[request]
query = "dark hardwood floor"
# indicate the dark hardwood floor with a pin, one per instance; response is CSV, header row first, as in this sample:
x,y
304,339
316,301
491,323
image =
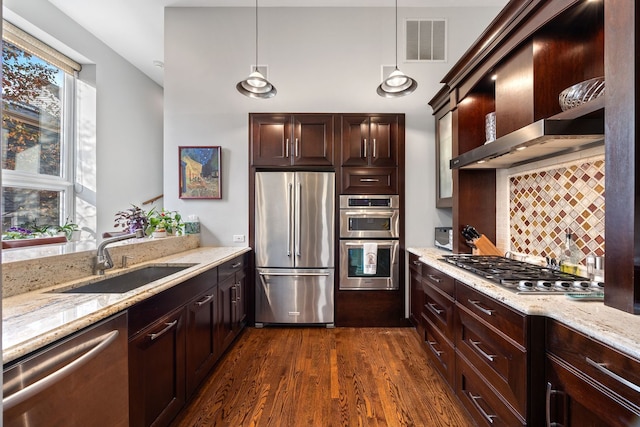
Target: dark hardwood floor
x,y
324,377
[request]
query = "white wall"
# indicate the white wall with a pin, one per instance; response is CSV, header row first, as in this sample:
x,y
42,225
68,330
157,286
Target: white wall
x,y
129,109
320,60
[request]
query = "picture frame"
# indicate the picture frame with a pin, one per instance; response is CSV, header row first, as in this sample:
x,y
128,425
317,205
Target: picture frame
x,y
199,172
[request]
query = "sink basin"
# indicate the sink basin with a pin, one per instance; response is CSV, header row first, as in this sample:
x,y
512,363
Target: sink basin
x,y
127,281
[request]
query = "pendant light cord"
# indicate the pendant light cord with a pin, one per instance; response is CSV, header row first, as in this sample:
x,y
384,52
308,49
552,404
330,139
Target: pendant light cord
x,y
396,26
256,69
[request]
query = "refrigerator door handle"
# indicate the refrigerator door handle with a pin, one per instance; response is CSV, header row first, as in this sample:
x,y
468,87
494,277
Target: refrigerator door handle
x,y
289,225
292,274
297,220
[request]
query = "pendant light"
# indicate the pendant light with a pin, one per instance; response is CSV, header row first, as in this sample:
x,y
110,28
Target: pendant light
x,y
397,84
256,85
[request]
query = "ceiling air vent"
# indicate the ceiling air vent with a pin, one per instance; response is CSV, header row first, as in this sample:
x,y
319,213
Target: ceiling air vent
x,y
426,40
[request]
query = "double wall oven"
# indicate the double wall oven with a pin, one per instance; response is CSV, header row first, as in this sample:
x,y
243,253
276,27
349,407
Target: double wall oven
x,y
369,242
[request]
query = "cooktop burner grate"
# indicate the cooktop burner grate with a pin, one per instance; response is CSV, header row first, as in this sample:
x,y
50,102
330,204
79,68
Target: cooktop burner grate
x,y
522,277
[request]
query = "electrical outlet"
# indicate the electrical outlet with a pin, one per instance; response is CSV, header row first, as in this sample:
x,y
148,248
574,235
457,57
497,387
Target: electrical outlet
x,y
238,238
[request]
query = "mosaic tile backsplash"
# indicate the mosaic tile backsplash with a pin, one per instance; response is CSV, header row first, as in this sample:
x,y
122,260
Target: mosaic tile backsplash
x,y
544,204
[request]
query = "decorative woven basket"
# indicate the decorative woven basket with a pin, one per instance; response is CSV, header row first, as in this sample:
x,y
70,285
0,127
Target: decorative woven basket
x,y
580,93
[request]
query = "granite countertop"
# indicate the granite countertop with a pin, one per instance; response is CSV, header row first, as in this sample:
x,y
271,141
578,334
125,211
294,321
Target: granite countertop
x,y
611,326
34,319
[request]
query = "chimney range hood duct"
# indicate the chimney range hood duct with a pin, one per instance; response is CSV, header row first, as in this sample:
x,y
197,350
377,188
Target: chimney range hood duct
x,y
539,140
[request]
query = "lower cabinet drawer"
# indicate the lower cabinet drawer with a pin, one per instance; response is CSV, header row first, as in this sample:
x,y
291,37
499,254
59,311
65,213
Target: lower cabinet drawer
x,y
485,406
371,180
603,365
440,351
439,309
502,362
575,400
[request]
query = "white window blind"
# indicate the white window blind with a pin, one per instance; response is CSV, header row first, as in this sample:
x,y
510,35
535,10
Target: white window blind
x,y
32,45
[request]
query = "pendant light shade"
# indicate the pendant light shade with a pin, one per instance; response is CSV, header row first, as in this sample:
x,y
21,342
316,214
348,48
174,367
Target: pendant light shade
x,y
256,85
397,84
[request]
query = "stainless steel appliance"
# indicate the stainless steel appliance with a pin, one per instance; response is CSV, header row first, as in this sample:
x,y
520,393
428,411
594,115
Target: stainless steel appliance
x,y
81,380
443,237
369,217
352,259
522,277
369,222
294,247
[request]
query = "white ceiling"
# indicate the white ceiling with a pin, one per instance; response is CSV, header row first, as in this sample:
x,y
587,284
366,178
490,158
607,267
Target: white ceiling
x,y
138,35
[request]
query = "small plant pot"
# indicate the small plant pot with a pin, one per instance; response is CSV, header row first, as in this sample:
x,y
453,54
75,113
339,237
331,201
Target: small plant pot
x,y
159,234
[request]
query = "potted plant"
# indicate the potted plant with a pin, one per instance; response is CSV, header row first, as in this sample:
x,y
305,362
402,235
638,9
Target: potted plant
x,y
132,219
164,222
68,229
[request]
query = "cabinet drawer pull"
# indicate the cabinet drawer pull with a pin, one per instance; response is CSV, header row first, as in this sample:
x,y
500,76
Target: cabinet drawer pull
x,y
237,264
602,367
369,180
434,278
164,331
237,293
486,311
476,345
551,391
297,147
435,308
432,346
474,400
206,299
416,262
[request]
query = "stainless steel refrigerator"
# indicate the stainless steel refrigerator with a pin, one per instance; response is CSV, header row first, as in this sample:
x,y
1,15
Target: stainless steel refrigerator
x,y
294,247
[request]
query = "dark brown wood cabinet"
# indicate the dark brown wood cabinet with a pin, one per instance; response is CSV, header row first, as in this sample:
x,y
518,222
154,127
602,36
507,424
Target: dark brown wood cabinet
x,y
487,352
202,346
157,371
589,383
292,139
371,148
231,293
177,336
369,140
416,299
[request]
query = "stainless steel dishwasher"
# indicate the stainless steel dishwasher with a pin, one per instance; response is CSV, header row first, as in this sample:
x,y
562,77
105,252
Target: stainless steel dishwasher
x,y
81,380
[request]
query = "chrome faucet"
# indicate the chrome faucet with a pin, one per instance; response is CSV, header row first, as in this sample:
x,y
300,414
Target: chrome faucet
x,y
103,260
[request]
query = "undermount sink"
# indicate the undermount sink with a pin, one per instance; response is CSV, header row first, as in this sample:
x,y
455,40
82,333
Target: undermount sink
x,y
127,281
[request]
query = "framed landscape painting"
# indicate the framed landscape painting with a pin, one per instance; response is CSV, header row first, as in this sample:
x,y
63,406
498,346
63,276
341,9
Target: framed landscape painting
x,y
200,172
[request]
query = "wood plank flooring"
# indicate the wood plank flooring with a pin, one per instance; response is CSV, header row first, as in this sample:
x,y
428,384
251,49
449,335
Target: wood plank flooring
x,y
324,377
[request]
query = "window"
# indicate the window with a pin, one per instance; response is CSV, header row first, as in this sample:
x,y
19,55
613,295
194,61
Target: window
x,y
38,93
426,40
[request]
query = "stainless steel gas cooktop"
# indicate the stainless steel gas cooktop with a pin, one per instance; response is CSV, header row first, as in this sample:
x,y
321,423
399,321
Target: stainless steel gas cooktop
x,y
522,277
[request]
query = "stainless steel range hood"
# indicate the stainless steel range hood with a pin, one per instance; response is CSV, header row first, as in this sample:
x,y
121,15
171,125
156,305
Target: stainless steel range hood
x,y
539,140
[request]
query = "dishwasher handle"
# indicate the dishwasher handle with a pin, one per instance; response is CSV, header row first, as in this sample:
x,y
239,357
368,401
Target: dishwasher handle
x,y
40,385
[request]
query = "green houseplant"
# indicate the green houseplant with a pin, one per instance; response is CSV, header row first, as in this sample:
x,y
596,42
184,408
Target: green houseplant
x,y
164,220
68,228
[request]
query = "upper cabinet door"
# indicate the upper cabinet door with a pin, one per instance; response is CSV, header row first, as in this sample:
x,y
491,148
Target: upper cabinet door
x,y
286,140
270,139
313,140
355,138
383,144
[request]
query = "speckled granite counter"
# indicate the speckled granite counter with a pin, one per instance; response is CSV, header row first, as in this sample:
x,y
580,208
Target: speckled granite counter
x,y
616,328
37,318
